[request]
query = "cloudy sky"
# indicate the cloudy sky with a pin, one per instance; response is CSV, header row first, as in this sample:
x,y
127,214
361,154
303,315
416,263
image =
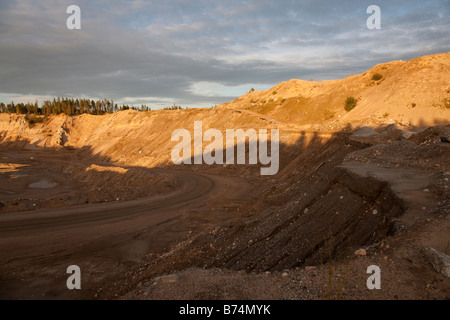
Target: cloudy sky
x,y
202,53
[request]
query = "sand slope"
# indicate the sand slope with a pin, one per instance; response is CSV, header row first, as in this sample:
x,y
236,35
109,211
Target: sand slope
x,y
415,91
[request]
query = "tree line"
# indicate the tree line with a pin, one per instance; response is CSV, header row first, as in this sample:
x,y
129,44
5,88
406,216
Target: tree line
x,y
72,106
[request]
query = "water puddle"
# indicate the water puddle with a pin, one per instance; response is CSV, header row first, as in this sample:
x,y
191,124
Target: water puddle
x,y
43,184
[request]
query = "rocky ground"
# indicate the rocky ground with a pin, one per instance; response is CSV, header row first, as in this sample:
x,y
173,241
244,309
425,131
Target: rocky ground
x,y
341,203
400,252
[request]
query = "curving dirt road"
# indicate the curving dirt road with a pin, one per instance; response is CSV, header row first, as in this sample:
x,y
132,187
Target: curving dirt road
x,y
19,224
104,239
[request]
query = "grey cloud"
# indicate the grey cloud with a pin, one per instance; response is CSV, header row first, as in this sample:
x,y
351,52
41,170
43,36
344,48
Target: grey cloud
x,y
161,48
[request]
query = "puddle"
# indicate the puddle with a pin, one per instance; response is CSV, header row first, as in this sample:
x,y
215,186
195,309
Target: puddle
x,y
43,184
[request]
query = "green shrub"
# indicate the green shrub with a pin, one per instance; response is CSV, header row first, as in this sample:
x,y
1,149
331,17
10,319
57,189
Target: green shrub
x,y
350,104
33,119
174,107
377,77
327,114
447,103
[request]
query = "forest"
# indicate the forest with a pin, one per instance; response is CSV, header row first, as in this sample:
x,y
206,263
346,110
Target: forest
x,y
72,106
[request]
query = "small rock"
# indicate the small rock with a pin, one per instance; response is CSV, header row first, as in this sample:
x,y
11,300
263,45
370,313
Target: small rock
x,y
439,260
285,275
375,211
426,190
361,252
306,210
407,134
342,197
405,123
308,268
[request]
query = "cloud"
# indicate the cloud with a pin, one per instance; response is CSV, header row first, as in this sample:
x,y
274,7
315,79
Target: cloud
x,y
215,89
201,53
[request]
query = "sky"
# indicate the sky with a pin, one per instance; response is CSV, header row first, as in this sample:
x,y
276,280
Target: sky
x,y
202,53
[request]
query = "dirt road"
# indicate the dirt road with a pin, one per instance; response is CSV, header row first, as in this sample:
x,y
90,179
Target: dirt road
x,y
104,239
21,224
